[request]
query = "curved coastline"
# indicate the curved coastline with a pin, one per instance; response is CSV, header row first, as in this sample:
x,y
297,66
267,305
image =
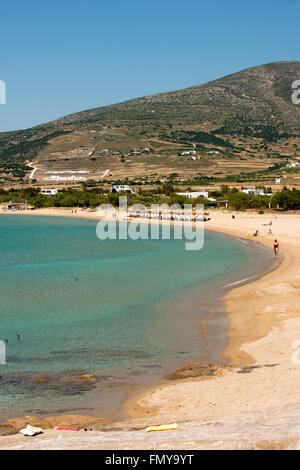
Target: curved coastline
x,y
264,321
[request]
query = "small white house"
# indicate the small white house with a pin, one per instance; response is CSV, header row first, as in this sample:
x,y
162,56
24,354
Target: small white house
x,y
292,165
49,192
188,152
253,191
278,181
194,194
122,188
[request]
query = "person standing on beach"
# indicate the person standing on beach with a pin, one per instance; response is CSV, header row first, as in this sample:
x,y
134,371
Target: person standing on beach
x,y
276,247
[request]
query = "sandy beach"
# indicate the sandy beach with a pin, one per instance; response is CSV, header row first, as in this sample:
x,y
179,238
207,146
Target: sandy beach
x,y
252,404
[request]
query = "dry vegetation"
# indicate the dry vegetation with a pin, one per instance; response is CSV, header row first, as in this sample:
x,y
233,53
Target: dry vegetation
x,y
247,118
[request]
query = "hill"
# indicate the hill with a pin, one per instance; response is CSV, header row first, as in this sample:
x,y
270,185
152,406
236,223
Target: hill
x,y
245,122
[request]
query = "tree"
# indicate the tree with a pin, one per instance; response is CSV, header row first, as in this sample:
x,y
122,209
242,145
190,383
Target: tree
x,y
168,189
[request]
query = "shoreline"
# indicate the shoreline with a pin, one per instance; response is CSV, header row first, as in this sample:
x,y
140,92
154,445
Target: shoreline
x,y
264,322
267,376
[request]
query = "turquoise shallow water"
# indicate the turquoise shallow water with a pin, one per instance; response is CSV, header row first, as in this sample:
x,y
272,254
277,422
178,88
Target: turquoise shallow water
x,y
122,310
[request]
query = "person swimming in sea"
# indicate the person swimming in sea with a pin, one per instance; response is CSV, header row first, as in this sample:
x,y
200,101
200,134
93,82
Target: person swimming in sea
x,y
276,247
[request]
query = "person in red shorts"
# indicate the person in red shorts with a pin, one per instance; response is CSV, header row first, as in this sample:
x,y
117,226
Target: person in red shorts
x,y
276,247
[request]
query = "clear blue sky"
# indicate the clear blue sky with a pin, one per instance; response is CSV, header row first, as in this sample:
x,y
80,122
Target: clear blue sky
x,y
64,56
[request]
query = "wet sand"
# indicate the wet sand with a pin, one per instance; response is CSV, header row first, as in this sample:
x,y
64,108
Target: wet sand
x,y
252,404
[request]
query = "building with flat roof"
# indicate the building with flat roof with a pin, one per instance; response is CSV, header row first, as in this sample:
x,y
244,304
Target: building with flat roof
x,y
17,206
122,188
194,194
49,192
254,192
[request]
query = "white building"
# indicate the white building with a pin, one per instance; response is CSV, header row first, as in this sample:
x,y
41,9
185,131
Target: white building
x,y
292,165
49,192
188,152
122,188
194,194
253,191
65,178
71,172
278,181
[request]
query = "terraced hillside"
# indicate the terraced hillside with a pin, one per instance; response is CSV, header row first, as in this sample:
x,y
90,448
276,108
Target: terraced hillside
x,y
242,123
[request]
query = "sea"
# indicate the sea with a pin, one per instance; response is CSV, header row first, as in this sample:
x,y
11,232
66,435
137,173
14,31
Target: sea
x,y
86,322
